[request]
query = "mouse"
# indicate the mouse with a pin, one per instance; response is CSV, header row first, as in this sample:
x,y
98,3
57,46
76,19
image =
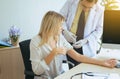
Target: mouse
x,y
118,64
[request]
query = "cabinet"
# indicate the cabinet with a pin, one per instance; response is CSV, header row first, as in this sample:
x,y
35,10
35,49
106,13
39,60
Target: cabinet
x,y
11,63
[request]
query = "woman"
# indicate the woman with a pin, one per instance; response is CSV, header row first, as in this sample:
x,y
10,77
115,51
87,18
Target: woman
x,y
47,48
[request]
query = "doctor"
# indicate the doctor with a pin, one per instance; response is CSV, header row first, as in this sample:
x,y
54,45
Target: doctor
x,y
87,40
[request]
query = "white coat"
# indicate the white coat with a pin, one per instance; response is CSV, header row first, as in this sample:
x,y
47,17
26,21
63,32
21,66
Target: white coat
x,y
93,28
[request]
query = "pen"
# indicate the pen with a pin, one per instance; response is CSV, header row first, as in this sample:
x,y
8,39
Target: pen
x,y
96,74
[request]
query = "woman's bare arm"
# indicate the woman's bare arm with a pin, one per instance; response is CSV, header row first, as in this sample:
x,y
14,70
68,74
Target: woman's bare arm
x,y
84,59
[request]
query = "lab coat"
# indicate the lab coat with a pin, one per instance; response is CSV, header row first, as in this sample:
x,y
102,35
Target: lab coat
x,y
93,28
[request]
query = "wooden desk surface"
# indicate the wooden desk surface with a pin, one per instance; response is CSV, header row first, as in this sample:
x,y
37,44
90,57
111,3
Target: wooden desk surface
x,y
94,68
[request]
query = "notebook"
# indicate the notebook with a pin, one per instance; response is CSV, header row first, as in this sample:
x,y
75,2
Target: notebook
x,y
4,44
94,75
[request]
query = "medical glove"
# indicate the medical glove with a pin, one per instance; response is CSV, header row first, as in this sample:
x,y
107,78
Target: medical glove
x,y
80,43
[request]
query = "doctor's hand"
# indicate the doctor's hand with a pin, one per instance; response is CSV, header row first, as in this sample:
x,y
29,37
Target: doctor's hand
x,y
80,43
70,37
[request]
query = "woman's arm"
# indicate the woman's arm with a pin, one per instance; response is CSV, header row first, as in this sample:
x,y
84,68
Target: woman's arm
x,y
53,53
81,58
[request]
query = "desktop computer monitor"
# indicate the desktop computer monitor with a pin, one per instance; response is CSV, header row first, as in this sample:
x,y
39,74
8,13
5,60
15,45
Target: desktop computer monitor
x,y
111,30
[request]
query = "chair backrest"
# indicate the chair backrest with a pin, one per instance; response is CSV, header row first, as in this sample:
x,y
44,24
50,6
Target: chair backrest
x,y
25,51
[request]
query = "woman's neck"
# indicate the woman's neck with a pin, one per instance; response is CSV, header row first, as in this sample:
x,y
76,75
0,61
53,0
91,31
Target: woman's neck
x,y
52,42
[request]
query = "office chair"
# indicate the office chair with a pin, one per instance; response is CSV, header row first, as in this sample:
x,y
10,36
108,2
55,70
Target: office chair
x,y
25,51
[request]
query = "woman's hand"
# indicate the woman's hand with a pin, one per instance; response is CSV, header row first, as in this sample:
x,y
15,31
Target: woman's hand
x,y
59,50
109,63
54,52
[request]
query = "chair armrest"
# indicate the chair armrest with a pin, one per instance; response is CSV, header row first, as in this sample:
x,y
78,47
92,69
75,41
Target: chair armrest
x,y
30,73
65,61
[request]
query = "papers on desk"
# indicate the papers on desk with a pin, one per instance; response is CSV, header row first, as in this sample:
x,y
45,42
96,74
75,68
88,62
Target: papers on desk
x,y
109,53
4,44
93,75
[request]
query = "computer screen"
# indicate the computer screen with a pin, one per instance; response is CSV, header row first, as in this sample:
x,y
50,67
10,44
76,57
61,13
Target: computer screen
x,y
111,30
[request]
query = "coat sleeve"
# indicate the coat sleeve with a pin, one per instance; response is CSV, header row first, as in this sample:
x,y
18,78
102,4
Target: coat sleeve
x,y
65,43
65,11
39,66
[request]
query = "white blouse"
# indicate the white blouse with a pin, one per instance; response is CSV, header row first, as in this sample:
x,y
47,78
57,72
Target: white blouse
x,y
38,53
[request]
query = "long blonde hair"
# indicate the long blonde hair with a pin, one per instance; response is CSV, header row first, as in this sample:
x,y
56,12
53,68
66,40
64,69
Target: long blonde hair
x,y
49,25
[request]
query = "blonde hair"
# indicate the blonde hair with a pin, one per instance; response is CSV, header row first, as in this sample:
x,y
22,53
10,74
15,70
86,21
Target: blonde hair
x,y
49,25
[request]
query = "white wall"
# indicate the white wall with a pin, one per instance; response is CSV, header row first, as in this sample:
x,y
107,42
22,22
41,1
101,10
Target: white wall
x,y
25,14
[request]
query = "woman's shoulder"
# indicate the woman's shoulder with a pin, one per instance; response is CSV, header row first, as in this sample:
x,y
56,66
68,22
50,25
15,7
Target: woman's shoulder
x,y
36,37
36,40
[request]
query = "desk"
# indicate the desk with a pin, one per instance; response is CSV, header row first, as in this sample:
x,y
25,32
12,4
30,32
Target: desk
x,y
104,54
11,63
